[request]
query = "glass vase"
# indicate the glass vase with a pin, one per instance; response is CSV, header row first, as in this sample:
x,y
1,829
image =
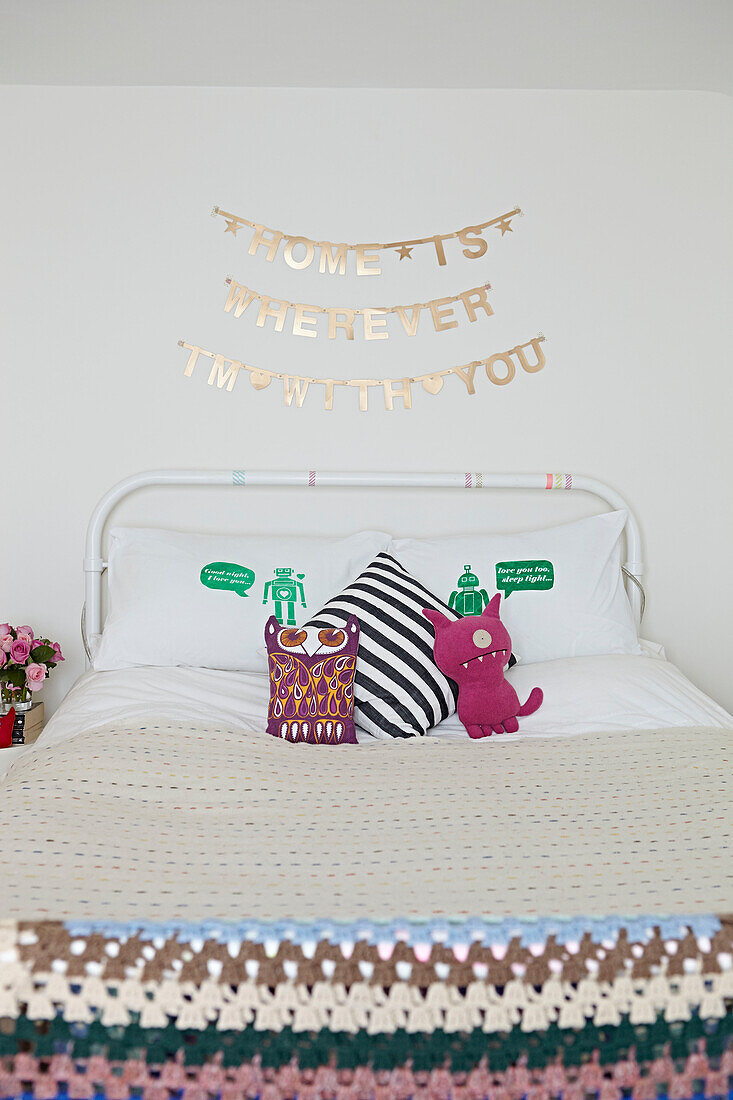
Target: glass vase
x,y
10,696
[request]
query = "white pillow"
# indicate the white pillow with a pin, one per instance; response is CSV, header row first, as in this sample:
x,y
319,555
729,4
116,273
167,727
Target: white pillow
x,y
203,600
604,695
571,601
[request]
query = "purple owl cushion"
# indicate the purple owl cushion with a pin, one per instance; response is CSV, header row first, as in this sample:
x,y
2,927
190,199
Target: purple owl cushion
x,y
312,682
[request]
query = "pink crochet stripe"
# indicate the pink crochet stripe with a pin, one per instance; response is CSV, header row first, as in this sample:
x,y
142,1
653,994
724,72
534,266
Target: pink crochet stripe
x,y
122,1079
311,478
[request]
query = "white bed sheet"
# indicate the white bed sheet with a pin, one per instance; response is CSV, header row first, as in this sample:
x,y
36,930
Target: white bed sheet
x,y
582,695
606,695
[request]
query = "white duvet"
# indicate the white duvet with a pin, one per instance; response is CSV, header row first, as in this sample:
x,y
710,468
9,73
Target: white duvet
x,y
581,695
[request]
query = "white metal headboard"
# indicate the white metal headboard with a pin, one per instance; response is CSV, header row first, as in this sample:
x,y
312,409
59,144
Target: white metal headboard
x,y
94,565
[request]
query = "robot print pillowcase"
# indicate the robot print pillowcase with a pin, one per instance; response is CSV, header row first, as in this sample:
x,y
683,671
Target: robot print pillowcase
x,y
203,600
562,589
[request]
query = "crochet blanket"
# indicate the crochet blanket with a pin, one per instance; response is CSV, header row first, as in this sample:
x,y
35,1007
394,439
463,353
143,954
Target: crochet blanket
x,y
636,1010
403,920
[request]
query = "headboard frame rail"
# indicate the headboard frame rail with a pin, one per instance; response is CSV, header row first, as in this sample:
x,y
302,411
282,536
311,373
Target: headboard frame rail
x,y
94,564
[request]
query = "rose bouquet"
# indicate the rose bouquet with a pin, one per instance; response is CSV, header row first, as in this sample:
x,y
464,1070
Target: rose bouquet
x,y
25,662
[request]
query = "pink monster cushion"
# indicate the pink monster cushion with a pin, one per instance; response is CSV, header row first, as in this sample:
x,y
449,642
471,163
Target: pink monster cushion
x,y
474,652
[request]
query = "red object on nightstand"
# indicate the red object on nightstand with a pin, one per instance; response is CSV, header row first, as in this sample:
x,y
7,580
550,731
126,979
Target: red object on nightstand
x,y
6,729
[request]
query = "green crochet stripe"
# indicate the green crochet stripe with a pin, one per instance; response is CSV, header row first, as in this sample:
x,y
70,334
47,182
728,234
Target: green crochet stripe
x,y
381,1051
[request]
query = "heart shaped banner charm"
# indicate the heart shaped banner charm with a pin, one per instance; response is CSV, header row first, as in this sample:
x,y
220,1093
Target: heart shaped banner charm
x,y
433,383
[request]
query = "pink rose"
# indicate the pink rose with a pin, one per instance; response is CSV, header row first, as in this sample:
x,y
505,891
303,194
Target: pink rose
x,y
23,636
5,628
34,676
6,640
25,631
57,654
3,658
20,650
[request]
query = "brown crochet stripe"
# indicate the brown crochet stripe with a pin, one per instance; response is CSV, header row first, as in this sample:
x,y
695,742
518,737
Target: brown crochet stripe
x,y
41,943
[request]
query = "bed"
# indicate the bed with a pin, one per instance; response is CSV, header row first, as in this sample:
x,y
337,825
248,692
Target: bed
x,y
541,914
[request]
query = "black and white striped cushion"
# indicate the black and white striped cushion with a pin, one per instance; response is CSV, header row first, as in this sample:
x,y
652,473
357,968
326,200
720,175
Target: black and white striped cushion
x,y
399,691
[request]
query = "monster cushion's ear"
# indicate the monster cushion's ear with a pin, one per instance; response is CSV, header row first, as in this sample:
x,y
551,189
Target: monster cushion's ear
x,y
492,607
437,618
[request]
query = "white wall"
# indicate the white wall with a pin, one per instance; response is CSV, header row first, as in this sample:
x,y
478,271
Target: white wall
x,y
637,44
622,260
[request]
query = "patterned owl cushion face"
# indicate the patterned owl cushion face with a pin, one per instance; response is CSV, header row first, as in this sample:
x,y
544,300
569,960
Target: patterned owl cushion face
x,y
312,682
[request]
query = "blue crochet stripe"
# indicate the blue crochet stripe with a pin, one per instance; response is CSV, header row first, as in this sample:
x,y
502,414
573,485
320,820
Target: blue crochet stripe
x,y
449,932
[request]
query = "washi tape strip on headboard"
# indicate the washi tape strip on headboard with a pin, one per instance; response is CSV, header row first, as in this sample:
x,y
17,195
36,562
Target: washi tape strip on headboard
x,y
559,481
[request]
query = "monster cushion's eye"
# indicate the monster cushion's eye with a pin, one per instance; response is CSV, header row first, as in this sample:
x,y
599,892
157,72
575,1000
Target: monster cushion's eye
x,y
482,639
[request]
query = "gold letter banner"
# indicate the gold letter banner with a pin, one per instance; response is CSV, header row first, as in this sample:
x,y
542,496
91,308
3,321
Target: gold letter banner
x,y
304,319
500,369
300,252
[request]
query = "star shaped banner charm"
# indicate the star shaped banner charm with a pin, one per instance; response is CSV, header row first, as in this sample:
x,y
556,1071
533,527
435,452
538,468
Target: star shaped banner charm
x,y
505,226
232,226
404,252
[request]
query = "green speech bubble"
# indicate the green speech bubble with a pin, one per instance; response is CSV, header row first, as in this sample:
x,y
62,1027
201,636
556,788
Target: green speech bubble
x,y
524,576
227,575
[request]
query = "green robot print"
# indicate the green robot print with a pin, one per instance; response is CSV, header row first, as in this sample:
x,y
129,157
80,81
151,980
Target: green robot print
x,y
469,599
286,592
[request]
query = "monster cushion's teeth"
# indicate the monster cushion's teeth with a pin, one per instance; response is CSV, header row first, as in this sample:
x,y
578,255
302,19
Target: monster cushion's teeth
x,y
480,660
